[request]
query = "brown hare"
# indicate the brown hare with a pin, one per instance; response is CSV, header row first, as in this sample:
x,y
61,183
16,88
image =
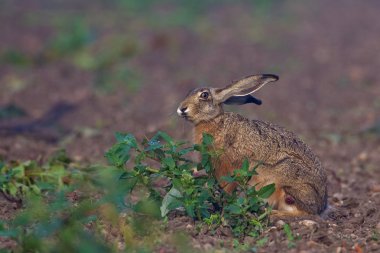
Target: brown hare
x,y
298,175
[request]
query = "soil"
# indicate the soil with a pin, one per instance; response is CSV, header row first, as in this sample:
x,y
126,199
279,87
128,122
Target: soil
x,y
327,55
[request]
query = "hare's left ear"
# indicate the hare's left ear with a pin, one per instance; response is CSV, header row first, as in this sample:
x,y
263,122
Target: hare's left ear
x,y
243,87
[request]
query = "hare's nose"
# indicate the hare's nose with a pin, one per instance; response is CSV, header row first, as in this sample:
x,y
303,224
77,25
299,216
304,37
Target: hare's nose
x,y
182,111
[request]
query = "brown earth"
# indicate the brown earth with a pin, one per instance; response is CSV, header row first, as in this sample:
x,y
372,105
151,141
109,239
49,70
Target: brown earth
x,y
327,55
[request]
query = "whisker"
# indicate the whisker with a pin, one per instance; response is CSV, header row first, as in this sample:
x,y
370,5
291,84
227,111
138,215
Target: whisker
x,y
183,128
172,113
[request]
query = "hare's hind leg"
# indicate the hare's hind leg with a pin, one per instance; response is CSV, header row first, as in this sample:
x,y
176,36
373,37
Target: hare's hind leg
x,y
292,196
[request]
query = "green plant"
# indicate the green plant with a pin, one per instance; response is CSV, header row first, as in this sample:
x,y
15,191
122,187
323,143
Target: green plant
x,y
244,211
289,235
18,179
71,208
71,37
11,111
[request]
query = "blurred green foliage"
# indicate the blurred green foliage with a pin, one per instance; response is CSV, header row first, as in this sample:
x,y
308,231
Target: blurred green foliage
x,y
72,36
105,44
15,57
11,111
68,208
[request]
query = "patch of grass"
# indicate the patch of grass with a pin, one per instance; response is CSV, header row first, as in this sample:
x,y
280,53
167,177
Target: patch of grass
x,y
116,208
375,236
15,57
108,60
71,37
289,236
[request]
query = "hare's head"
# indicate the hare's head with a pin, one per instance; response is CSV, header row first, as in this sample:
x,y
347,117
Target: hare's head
x,y
204,104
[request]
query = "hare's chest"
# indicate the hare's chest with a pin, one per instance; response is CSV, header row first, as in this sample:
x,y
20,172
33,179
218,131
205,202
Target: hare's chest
x,y
205,129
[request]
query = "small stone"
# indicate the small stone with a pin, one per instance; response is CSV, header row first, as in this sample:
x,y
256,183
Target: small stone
x,y
375,188
363,156
338,196
312,244
189,226
197,246
121,246
280,223
207,247
309,223
353,236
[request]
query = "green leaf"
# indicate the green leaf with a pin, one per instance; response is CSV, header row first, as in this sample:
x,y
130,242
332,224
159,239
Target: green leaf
x,y
169,162
289,235
118,155
245,165
18,172
165,137
234,209
261,242
148,207
185,151
240,201
177,183
228,179
205,160
9,233
207,139
153,145
170,201
12,189
128,139
35,189
190,210
266,191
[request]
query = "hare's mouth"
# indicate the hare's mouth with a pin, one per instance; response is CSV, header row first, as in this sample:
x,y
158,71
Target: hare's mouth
x,y
185,116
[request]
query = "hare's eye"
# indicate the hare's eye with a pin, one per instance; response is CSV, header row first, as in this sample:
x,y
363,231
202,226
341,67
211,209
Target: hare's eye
x,y
204,95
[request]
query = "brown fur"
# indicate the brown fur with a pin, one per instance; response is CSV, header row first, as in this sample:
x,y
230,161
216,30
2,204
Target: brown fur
x,y
286,160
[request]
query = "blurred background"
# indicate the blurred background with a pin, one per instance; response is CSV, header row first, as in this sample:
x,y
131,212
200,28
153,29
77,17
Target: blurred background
x,y
74,72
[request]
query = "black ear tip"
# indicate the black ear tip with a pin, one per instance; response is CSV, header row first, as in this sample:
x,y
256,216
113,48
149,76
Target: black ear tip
x,y
270,76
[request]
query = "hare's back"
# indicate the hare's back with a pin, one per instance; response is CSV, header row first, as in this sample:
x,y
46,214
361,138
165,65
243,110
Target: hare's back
x,y
268,140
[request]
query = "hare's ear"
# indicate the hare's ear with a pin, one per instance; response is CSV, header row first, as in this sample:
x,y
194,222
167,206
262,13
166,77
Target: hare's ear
x,y
243,87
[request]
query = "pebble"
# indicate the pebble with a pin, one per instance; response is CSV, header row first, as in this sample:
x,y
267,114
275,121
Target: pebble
x,y
280,223
189,226
121,246
208,247
363,156
375,188
309,223
313,244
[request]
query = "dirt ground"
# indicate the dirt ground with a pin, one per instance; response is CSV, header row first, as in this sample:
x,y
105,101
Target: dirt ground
x,y
327,54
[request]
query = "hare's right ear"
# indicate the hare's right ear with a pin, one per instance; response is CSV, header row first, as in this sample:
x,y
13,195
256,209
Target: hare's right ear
x,y
243,87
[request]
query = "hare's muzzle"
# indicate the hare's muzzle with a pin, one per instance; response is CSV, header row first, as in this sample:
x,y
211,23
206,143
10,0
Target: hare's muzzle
x,y
182,111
